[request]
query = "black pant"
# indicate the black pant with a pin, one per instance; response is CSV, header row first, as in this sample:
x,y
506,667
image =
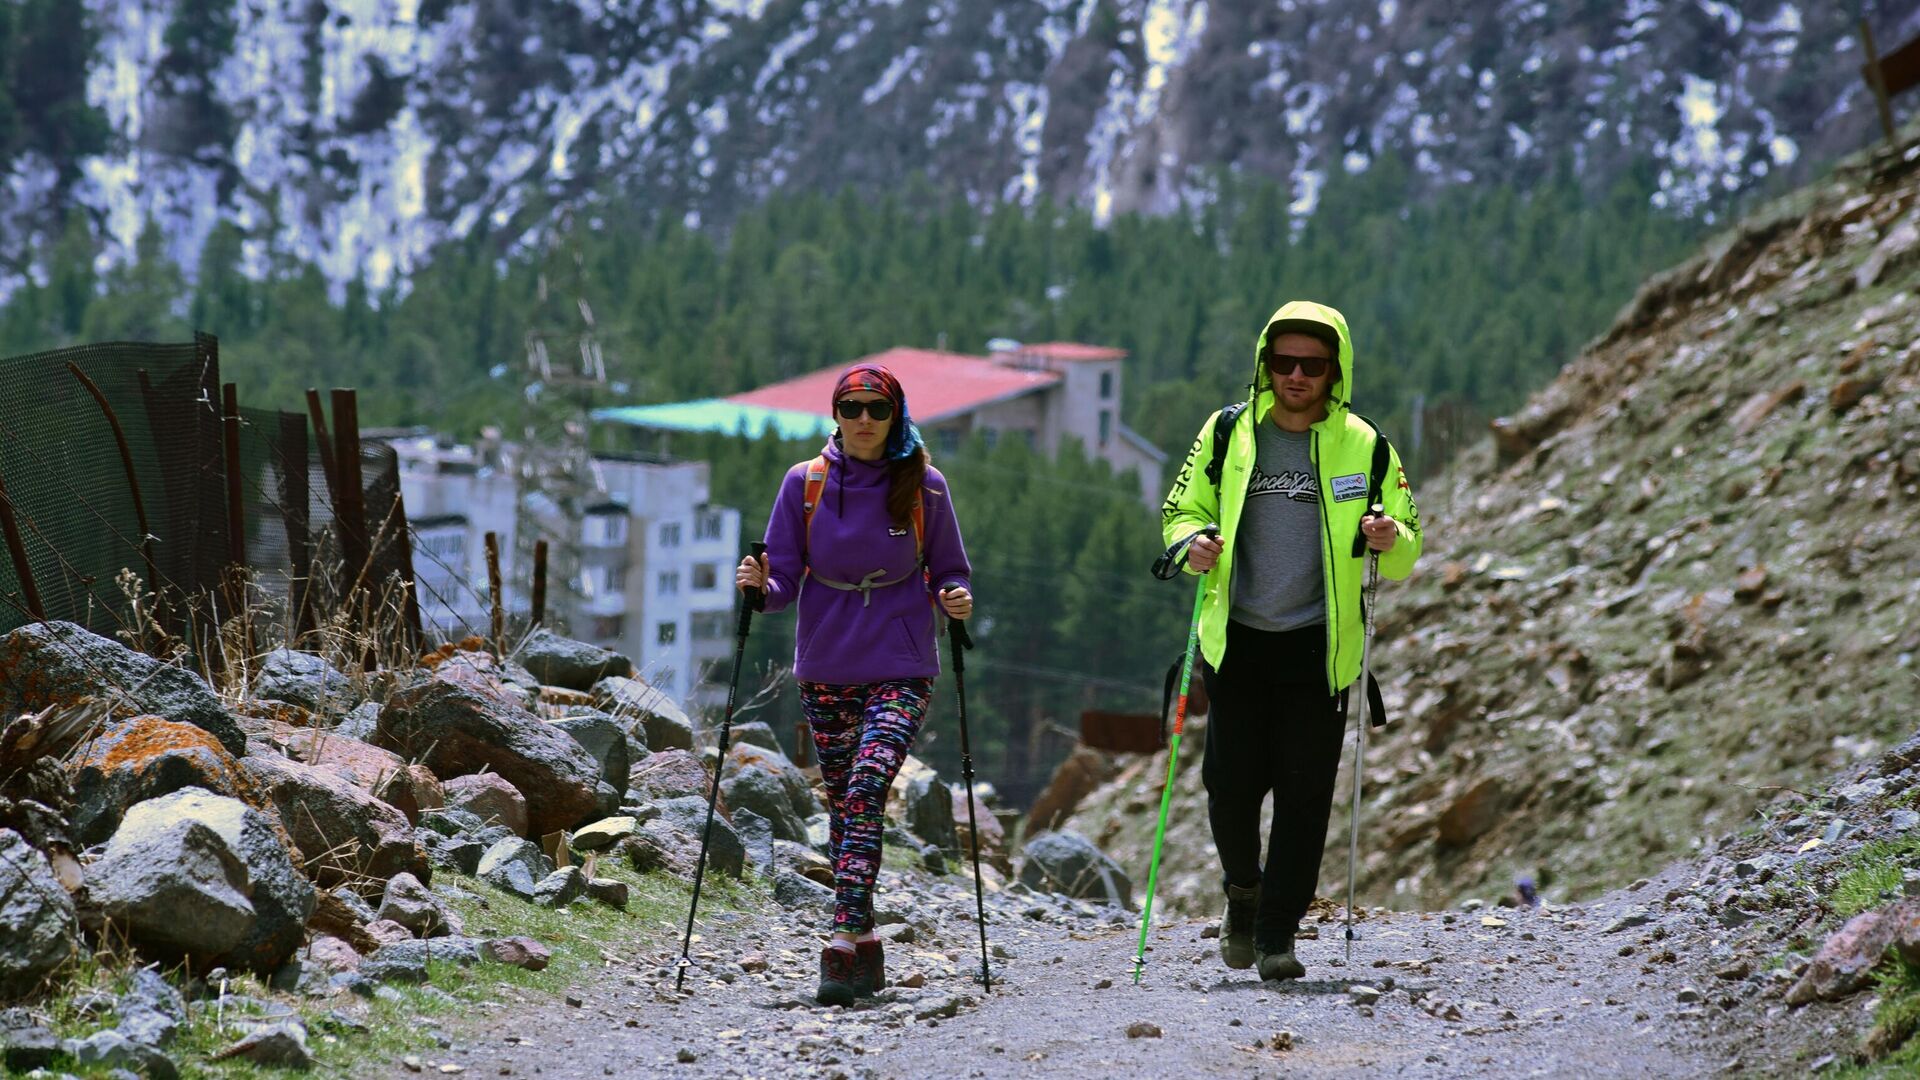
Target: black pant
x,y
1272,727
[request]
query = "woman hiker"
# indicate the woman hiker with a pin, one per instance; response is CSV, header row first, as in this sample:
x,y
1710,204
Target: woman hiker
x,y
864,540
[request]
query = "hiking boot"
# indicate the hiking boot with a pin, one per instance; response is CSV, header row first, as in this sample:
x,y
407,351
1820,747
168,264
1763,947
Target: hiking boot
x,y
874,969
842,972
1279,964
1236,927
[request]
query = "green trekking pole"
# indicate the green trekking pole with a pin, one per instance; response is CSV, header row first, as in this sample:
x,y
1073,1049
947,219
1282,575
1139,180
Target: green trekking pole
x,y
1164,568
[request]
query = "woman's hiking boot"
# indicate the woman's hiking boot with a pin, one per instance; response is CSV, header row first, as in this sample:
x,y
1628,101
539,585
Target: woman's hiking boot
x,y
1236,927
843,972
1279,963
874,971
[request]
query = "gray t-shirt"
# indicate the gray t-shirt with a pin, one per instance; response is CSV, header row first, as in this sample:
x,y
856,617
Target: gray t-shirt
x,y
1277,583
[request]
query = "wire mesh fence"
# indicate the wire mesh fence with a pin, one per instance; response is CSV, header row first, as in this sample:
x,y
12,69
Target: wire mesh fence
x,y
140,500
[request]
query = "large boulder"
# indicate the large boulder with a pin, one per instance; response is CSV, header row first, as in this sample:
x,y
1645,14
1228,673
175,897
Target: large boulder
x,y
173,887
143,758
37,931
671,840
670,774
410,789
1084,770
413,906
305,680
281,895
755,789
993,835
575,665
1066,862
151,1011
639,706
60,663
490,798
929,806
516,865
457,729
343,833
799,791
1844,965
602,736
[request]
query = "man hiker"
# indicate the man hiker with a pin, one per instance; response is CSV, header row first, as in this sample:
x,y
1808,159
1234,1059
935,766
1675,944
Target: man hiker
x,y
1281,624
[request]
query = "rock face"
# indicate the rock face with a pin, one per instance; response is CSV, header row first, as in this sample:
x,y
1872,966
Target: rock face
x,y
37,931
601,736
575,665
458,729
175,888
305,680
755,789
143,758
929,806
1075,779
490,798
60,663
1844,965
282,898
635,704
670,774
1067,862
993,835
1471,814
671,842
339,829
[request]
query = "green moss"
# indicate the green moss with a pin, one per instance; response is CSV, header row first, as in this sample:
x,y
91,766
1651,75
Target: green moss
x,y
1874,872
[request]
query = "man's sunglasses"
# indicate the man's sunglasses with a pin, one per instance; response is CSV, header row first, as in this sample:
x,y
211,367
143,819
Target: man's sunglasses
x,y
850,409
1311,366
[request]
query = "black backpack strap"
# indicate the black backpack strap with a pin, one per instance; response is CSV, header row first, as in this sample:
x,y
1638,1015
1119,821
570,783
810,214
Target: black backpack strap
x,y
1222,431
1376,479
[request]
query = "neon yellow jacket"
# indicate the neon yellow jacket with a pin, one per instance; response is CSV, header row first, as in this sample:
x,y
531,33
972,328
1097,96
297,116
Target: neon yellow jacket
x,y
1342,448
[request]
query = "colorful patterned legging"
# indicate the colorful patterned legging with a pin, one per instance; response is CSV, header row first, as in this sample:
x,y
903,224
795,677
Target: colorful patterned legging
x,y
862,735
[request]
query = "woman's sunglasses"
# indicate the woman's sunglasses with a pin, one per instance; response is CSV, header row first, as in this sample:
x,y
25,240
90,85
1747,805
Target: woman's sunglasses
x,y
850,409
1311,366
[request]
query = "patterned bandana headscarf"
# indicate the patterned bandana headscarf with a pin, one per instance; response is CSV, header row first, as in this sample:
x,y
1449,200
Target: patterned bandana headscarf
x,y
904,437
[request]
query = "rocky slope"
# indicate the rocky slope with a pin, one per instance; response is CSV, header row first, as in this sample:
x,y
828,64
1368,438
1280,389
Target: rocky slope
x,y
357,135
1674,587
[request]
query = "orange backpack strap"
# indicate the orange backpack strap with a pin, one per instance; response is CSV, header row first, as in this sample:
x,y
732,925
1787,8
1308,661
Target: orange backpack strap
x,y
810,495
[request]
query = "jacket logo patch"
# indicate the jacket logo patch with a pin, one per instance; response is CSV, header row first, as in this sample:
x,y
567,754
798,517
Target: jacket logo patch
x,y
891,531
1349,487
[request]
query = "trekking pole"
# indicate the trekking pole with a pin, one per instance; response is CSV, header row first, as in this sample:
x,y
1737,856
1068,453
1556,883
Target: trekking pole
x,y
1360,742
751,600
958,641
1164,568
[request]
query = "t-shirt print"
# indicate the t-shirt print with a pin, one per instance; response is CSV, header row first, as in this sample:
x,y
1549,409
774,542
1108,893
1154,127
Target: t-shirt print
x,y
1295,484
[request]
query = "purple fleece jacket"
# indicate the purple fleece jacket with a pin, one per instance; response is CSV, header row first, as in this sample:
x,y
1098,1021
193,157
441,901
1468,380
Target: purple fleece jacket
x,y
844,639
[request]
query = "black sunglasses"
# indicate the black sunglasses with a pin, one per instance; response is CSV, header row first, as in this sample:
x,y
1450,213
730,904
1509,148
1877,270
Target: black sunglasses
x,y
1311,366
850,409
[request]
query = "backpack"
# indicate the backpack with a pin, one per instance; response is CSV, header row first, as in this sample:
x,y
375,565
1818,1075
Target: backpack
x,y
1376,480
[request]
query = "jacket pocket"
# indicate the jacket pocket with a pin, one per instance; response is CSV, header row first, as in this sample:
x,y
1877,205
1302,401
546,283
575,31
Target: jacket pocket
x,y
903,639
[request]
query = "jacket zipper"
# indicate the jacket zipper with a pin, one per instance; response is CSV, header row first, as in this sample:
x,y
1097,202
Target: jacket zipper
x,y
1326,574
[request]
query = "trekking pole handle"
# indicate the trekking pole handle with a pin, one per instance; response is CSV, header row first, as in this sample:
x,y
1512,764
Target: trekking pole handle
x,y
752,598
1175,557
1360,532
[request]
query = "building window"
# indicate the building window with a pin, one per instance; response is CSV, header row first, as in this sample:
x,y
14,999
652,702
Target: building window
x,y
667,632
1106,386
605,530
663,680
670,534
708,625
949,440
706,526
1030,437
705,576
616,579
1106,426
668,583
609,627
992,436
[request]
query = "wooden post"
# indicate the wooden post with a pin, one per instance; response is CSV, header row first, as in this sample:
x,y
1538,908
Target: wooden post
x,y
1876,79
318,415
295,496
539,582
236,579
493,589
18,550
349,491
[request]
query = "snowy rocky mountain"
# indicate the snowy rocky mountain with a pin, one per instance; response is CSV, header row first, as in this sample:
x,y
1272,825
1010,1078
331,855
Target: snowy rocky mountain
x,y
358,134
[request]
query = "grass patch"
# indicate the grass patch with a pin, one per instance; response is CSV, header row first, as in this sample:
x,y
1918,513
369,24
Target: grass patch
x,y
1873,872
399,1023
1890,1048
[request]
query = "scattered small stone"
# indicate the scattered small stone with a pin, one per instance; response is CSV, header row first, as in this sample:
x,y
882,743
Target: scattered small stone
x,y
1363,994
1282,1040
573,1001
1688,996
1103,984
1140,1029
685,1056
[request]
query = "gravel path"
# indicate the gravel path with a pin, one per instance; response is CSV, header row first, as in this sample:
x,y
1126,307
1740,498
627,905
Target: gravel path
x,y
1538,994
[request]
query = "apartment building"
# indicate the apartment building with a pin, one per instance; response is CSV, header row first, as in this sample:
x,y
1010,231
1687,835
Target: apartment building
x,y
655,559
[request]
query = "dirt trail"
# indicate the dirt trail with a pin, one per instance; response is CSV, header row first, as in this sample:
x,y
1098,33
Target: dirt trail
x,y
1543,993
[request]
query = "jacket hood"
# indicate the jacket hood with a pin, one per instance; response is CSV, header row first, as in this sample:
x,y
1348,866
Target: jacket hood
x,y
1302,316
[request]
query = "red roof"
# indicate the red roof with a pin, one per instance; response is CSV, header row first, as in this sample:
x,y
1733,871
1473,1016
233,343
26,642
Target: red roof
x,y
1071,351
938,384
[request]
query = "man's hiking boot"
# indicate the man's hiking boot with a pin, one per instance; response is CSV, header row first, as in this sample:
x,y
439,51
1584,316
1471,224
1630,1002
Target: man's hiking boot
x,y
1280,964
842,974
874,970
1236,927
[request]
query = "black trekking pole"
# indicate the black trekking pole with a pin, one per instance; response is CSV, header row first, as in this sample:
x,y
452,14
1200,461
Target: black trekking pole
x,y
959,641
1360,739
751,600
